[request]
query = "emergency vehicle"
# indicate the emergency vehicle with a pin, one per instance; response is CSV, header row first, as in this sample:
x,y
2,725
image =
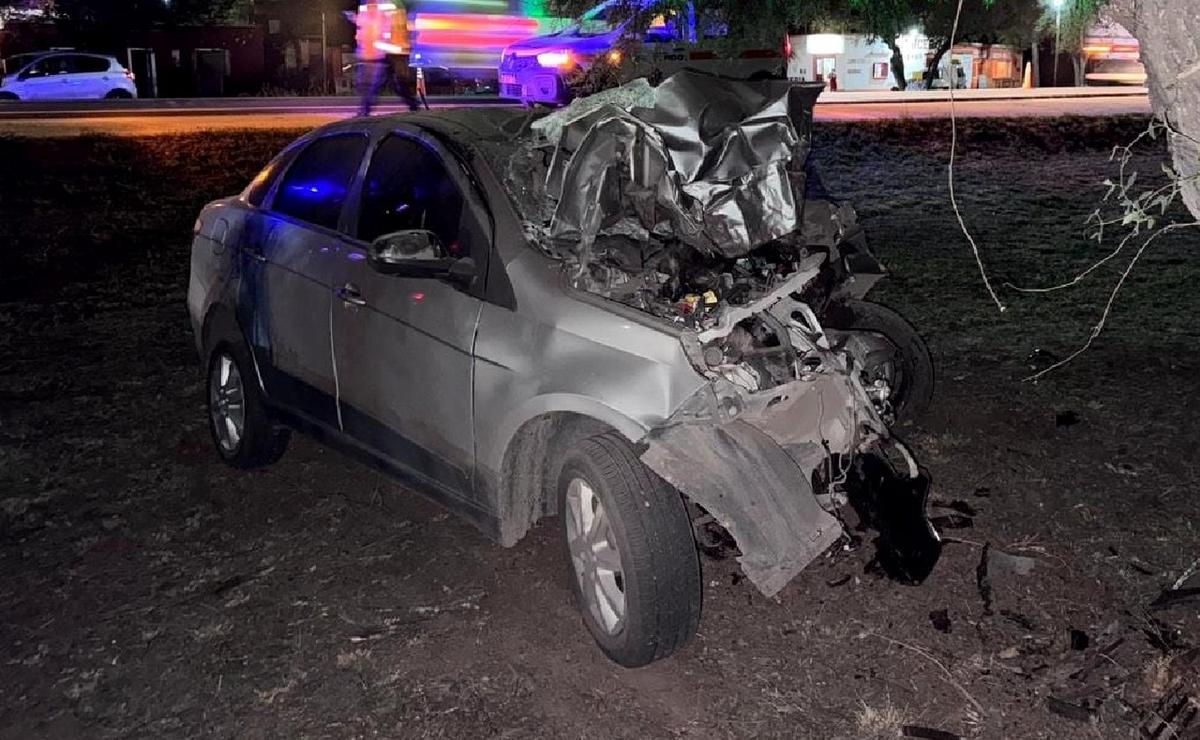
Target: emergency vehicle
x,y
544,69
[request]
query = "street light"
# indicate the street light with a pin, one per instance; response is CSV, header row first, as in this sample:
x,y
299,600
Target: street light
x,y
1057,5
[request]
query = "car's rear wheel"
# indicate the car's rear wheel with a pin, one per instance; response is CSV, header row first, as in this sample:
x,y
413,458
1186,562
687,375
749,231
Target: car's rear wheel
x,y
8,97
119,94
242,431
633,563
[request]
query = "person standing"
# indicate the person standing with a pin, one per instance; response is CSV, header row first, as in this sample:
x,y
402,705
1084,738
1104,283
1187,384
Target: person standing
x,y
384,47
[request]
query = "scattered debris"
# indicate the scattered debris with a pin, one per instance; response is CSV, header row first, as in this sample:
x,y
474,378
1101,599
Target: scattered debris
x,y
840,581
1079,639
1019,619
940,618
1123,469
1069,710
1177,713
1008,653
1002,562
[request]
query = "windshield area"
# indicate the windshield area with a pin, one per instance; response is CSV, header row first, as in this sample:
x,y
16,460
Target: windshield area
x,y
598,21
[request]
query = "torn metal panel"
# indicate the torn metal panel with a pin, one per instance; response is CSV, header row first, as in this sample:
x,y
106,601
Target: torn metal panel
x,y
750,458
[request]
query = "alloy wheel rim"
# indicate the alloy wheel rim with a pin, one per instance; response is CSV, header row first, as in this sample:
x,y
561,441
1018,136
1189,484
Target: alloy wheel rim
x,y
595,557
227,404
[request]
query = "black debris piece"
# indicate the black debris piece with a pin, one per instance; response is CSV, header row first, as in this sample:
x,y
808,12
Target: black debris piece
x,y
927,733
908,546
1069,710
940,618
839,581
1066,419
983,581
1019,619
962,507
1173,596
1079,640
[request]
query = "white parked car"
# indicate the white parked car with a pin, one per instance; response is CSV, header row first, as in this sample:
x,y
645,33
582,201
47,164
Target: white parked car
x,y
66,75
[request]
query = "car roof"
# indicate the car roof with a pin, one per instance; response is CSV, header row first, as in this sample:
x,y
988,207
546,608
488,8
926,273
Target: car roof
x,y
33,55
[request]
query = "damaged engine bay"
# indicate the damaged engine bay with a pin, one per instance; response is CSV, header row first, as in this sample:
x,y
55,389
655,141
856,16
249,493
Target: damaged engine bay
x,y
693,202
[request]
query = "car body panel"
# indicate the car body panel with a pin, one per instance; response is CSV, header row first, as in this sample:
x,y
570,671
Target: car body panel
x,y
405,369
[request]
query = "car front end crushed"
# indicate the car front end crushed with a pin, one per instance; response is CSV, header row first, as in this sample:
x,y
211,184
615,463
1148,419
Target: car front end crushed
x,y
709,229
782,437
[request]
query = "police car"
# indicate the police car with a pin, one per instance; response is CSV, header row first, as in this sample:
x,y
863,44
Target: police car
x,y
546,69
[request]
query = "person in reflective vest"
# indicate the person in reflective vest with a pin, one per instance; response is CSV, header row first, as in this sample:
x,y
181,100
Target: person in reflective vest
x,y
383,52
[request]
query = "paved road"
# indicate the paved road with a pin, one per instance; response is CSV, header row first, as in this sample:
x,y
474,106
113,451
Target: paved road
x,y
147,118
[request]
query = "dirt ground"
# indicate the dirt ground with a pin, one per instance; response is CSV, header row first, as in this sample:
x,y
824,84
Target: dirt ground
x,y
147,591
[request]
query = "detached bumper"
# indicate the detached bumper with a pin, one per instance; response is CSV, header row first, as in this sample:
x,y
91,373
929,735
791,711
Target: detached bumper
x,y
752,460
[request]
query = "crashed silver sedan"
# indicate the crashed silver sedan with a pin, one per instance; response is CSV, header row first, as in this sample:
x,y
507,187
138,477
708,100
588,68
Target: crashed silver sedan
x,y
638,313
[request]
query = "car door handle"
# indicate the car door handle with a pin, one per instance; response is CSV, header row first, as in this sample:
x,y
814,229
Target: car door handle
x,y
350,294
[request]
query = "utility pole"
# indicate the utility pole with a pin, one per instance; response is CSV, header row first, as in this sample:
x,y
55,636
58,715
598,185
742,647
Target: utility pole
x,y
1057,27
324,55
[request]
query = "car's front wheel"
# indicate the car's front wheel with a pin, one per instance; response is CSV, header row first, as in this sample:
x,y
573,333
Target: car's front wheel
x,y
8,97
633,562
242,431
905,365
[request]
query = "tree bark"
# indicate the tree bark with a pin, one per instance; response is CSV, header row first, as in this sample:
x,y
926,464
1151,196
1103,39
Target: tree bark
x,y
1169,34
932,65
898,72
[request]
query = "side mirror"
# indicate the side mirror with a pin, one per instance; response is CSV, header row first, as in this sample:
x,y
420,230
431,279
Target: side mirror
x,y
419,254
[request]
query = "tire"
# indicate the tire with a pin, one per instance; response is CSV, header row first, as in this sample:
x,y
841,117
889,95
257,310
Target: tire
x,y
230,388
656,574
118,94
913,394
7,97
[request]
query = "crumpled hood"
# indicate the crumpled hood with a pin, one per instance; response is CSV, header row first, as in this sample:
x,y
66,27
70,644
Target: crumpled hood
x,y
717,164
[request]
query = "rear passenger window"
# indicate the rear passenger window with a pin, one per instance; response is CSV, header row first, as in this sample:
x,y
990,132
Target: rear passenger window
x,y
316,185
256,191
81,64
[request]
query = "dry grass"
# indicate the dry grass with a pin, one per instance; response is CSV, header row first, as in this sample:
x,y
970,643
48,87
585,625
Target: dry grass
x,y
879,722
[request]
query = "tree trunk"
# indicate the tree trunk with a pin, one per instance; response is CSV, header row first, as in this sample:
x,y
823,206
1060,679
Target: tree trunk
x,y
898,72
1037,64
1169,34
931,66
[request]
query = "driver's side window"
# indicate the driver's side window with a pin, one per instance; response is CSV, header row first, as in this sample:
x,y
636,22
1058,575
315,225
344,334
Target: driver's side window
x,y
407,188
